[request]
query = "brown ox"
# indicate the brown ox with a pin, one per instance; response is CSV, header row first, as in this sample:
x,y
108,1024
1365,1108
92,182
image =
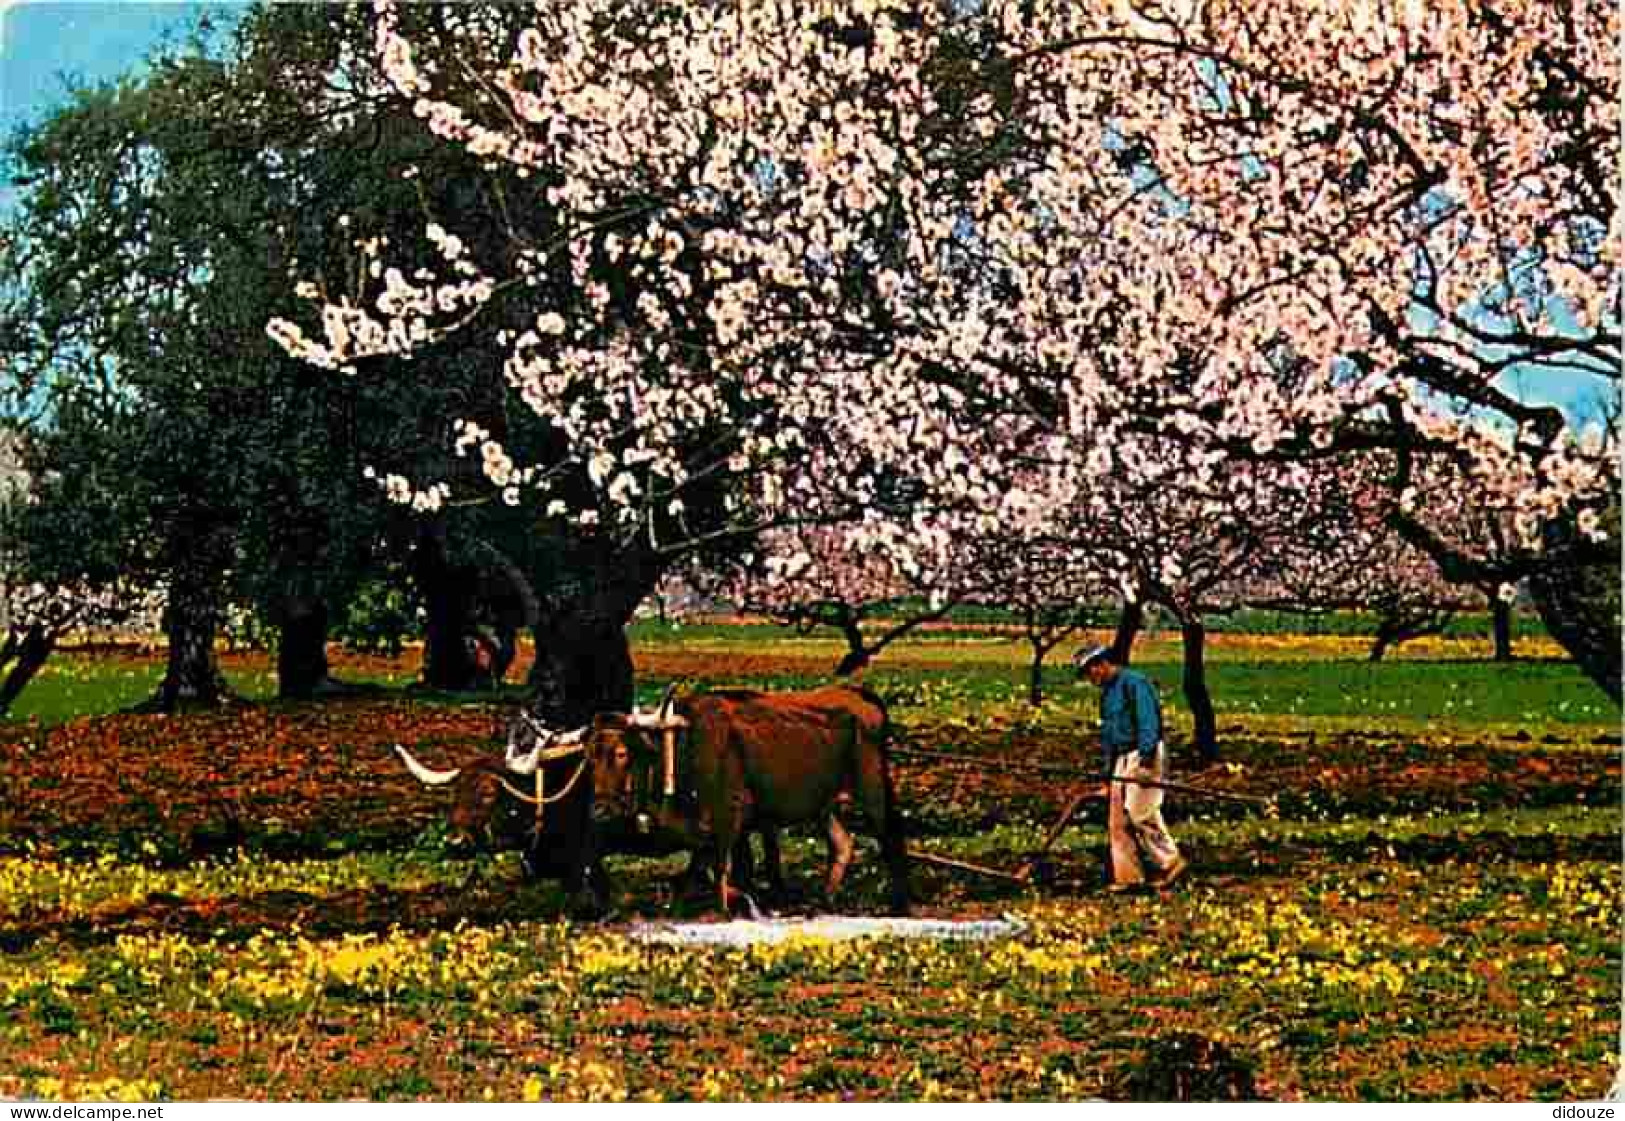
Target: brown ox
x,y
493,806
755,761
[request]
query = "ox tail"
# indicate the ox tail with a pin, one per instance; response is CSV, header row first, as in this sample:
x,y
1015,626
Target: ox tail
x,y
892,845
890,825
426,775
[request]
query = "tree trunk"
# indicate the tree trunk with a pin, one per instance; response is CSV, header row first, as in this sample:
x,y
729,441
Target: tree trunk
x,y
448,604
857,655
583,667
1576,588
30,651
1035,676
191,620
301,657
583,662
1129,624
516,607
1385,637
1501,622
1205,732
507,649
1580,605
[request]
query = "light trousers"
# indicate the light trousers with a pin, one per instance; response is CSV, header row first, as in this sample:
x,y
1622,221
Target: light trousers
x,y
1140,842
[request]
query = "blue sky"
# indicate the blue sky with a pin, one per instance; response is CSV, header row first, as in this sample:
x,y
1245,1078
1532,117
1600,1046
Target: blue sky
x,y
90,41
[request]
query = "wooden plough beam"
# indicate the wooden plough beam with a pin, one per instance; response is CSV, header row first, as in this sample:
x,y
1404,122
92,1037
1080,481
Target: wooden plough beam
x,y
1024,873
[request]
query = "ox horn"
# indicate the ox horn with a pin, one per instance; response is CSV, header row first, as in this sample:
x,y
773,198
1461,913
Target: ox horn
x,y
545,738
665,702
427,776
526,764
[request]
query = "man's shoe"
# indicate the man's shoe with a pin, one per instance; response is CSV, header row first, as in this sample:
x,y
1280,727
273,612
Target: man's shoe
x,y
1120,888
1173,871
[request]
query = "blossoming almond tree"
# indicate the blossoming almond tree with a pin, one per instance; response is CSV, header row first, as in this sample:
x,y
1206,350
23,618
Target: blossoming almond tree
x,y
974,246
822,576
38,617
51,583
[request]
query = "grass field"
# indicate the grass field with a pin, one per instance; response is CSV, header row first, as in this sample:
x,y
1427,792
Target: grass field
x,y
256,903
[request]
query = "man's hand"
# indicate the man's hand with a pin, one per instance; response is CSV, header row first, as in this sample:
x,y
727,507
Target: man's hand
x,y
1103,791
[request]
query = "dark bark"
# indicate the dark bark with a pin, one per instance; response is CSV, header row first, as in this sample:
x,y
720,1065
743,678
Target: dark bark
x,y
860,652
583,667
1575,580
301,657
30,649
1401,625
583,661
858,655
1129,624
1042,639
1580,605
1380,642
191,621
505,650
448,604
1501,625
511,603
1035,676
1204,733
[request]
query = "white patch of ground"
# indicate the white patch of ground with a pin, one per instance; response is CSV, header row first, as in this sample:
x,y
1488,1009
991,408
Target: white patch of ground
x,y
749,932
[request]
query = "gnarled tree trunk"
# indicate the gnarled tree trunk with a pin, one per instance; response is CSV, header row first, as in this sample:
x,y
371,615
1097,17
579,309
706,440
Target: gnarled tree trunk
x,y
1129,624
520,607
301,656
448,603
1580,604
1204,732
583,661
25,652
583,667
191,621
1501,627
1403,624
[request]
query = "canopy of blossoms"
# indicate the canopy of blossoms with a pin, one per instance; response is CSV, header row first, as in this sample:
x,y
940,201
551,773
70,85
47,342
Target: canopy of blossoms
x,y
1009,256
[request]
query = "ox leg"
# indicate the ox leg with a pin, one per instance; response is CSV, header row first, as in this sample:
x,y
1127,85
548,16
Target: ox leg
x,y
695,879
728,892
730,803
773,865
588,882
744,863
730,838
840,857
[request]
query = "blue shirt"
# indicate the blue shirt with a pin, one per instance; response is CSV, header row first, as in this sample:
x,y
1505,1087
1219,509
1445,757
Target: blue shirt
x,y
1130,718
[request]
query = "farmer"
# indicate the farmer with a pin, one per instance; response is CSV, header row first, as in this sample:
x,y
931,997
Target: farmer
x,y
1142,850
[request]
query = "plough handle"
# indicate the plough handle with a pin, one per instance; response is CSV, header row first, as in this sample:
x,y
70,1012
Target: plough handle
x,y
1076,773
1249,799
1066,817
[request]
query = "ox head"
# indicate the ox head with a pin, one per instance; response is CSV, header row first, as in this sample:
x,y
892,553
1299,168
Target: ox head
x,y
627,752
488,805
476,814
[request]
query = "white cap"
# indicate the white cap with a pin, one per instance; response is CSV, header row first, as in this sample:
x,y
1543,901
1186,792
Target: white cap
x,y
1088,655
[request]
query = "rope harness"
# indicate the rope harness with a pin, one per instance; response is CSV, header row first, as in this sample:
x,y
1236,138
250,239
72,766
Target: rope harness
x,y
544,755
667,726
541,800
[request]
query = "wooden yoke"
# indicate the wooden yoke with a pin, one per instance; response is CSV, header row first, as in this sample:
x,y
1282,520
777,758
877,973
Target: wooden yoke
x,y
668,754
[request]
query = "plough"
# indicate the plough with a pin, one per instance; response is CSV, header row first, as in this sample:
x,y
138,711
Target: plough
x,y
1035,867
